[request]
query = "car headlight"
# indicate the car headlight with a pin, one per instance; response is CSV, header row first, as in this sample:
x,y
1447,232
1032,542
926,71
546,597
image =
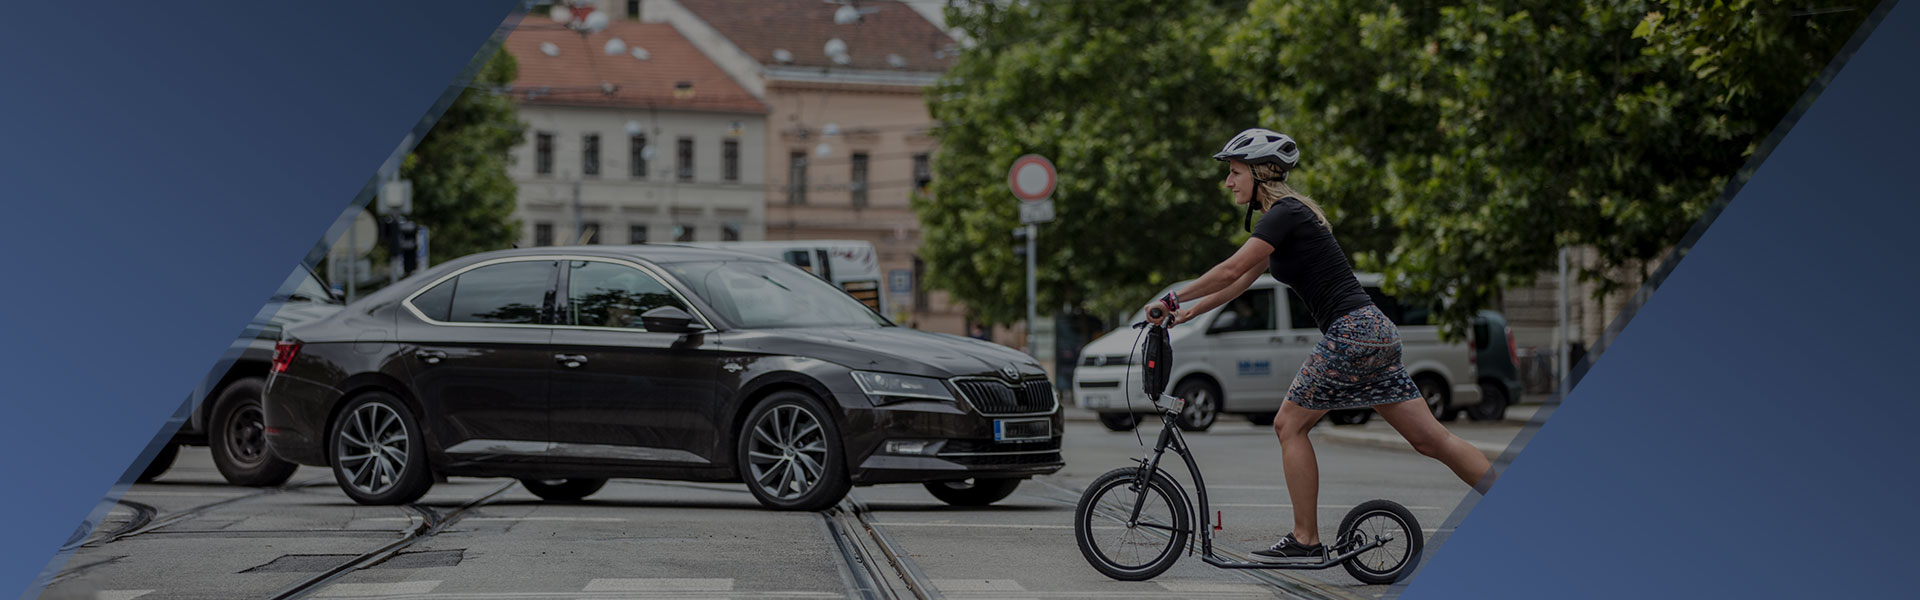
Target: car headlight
x,y
894,387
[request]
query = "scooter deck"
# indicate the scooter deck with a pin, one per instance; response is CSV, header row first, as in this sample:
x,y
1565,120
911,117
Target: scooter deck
x,y
1298,564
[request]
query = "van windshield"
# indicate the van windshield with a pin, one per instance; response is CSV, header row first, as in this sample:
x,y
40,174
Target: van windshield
x,y
770,295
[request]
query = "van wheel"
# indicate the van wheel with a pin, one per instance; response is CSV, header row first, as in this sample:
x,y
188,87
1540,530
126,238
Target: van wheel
x,y
1435,392
1203,404
237,433
1358,416
1493,403
1119,421
972,492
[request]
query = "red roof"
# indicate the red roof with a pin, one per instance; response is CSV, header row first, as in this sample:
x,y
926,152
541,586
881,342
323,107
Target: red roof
x,y
576,76
803,28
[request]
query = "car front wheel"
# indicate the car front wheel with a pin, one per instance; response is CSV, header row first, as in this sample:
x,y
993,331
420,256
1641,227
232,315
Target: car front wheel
x,y
790,454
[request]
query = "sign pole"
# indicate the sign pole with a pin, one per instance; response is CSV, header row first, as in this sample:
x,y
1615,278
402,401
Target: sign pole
x,y
1032,180
1032,314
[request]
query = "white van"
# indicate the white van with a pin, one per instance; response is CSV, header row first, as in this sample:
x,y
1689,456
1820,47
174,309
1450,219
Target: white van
x,y
851,265
1240,358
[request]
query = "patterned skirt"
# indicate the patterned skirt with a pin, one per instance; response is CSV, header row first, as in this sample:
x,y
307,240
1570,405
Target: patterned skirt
x,y
1356,365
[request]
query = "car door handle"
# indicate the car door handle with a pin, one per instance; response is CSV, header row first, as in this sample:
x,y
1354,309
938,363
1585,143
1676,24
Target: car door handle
x,y
432,357
570,360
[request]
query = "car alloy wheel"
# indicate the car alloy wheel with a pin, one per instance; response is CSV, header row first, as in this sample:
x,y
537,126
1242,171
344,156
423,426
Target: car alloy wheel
x,y
373,448
787,455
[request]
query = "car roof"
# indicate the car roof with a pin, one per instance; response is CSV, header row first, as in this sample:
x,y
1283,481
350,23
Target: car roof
x,y
654,253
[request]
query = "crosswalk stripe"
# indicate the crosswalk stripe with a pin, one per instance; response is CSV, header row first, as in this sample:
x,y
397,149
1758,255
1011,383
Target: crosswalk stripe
x,y
120,594
978,585
360,590
659,585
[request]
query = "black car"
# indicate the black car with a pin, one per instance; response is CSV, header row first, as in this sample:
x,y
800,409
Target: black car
x,y
226,412
567,366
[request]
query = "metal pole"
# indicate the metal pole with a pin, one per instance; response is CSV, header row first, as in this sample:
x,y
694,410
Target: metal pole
x,y
1566,339
353,262
1032,314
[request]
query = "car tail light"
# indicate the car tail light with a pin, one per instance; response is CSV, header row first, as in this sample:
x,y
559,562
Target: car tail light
x,y
283,353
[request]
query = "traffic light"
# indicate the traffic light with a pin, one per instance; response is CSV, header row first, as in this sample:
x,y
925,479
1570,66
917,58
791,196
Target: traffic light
x,y
1020,243
407,244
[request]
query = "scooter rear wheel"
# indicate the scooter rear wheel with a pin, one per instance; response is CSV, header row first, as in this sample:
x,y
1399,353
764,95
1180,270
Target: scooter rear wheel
x,y
1142,551
1391,561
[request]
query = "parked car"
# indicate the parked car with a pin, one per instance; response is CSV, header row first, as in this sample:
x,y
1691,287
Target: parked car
x,y
564,367
850,264
1497,364
1240,358
226,406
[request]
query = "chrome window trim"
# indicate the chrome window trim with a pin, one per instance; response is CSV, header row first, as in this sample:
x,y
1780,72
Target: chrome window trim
x,y
656,274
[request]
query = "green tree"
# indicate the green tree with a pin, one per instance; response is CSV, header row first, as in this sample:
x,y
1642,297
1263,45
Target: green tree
x,y
1481,137
461,191
1124,97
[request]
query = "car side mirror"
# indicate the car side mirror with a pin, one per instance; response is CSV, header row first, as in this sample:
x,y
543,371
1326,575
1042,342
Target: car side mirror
x,y
670,319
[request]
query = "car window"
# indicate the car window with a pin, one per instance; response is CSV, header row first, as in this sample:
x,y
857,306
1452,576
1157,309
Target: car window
x,y
768,295
601,294
437,303
512,292
1400,314
1298,316
1252,311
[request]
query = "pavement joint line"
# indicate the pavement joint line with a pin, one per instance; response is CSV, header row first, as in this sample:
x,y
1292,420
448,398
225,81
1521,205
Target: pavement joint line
x,y
659,585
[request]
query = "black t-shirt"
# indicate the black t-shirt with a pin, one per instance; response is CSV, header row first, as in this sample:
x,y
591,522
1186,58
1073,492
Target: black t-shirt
x,y
1307,259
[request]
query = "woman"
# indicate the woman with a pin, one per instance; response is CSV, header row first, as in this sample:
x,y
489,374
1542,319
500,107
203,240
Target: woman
x,y
1357,362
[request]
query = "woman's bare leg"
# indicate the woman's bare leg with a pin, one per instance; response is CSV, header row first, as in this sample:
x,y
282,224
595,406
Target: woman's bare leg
x,y
1302,469
1415,422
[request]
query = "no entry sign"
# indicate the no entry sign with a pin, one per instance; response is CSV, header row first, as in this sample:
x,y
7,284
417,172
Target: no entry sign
x,y
1032,179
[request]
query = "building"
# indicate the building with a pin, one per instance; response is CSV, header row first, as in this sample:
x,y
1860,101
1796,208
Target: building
x,y
849,140
633,136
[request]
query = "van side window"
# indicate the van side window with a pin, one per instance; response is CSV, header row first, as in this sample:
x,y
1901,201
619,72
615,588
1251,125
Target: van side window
x,y
1252,311
1297,311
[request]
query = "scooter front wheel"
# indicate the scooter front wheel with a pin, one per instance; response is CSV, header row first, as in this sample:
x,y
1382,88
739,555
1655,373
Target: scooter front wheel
x,y
1377,520
1125,548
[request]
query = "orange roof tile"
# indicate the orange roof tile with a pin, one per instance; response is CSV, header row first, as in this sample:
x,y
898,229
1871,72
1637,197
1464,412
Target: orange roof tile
x,y
576,76
803,27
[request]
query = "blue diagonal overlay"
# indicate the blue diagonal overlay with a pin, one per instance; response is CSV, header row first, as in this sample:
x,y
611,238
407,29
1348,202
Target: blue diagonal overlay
x,y
166,165
1752,433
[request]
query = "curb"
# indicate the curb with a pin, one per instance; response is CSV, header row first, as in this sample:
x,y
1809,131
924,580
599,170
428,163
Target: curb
x,y
1395,442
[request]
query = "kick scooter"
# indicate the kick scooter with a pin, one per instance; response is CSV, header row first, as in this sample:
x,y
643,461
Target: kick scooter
x,y
1132,523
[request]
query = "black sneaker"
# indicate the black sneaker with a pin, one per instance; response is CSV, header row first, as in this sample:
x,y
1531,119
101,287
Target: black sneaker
x,y
1290,548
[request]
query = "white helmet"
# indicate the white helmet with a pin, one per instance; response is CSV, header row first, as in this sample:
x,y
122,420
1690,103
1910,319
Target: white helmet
x,y
1261,146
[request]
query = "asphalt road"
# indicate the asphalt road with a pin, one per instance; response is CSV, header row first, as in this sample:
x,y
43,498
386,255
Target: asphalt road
x,y
189,536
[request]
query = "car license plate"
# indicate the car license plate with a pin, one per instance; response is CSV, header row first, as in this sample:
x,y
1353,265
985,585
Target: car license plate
x,y
1095,400
1014,430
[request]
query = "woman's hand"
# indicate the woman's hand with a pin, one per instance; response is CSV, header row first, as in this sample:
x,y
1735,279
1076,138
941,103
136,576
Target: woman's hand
x,y
1184,315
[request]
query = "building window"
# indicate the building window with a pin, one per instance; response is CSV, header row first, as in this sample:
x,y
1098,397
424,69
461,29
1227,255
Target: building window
x,y
637,157
636,234
590,154
686,159
730,231
683,232
858,181
589,233
543,234
633,10
797,178
543,153
920,301
730,160
922,170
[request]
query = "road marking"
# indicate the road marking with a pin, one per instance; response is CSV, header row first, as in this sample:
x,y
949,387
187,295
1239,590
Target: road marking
x,y
353,590
660,585
978,585
120,594
209,494
983,525
1206,587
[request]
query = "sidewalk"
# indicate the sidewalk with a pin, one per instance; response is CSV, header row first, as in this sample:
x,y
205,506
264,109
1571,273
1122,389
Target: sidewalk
x,y
1490,438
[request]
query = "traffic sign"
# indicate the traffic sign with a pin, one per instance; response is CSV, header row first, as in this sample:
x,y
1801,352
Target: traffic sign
x,y
1032,178
1036,212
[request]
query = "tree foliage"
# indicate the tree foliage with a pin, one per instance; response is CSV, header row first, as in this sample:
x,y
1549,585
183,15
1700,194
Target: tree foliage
x,y
1124,99
1456,145
461,190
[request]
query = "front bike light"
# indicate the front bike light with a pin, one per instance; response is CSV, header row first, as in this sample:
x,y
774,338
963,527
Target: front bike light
x,y
893,387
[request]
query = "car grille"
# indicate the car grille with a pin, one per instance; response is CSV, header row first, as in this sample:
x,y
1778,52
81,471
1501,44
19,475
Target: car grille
x,y
993,397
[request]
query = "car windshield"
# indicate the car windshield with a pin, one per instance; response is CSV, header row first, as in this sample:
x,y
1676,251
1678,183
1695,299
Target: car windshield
x,y
310,289
773,295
